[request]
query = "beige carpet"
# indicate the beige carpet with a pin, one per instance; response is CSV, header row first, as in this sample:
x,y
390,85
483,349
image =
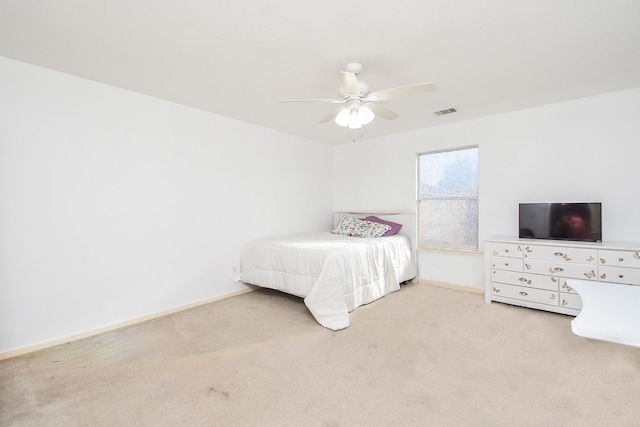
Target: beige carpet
x,y
423,356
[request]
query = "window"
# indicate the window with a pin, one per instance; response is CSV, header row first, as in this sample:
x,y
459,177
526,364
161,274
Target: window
x,y
448,199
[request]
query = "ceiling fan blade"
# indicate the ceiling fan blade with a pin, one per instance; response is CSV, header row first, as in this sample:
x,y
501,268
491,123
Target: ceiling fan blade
x,y
330,101
383,112
398,92
332,115
349,82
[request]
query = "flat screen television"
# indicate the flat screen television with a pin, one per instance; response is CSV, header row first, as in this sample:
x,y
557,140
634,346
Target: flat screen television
x,y
561,221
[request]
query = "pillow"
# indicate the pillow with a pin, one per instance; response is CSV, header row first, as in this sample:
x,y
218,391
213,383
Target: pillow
x,y
350,226
395,227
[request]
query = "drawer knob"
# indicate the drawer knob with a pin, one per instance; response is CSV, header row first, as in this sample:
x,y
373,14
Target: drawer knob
x,y
523,293
621,276
506,250
620,259
558,254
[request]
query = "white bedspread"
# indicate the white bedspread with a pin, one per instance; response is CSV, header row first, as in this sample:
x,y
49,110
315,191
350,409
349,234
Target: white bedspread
x,y
334,274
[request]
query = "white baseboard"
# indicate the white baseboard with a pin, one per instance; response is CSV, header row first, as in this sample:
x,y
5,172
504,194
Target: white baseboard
x,y
452,286
40,346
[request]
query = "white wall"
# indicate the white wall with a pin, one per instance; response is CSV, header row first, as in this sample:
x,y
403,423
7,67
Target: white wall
x,y
582,150
115,205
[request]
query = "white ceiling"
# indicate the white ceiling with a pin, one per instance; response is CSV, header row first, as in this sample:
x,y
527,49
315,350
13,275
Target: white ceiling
x,y
238,58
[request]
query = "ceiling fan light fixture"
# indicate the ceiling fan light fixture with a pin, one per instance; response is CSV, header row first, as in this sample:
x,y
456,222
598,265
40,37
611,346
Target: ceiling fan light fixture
x,y
342,118
355,121
354,117
366,115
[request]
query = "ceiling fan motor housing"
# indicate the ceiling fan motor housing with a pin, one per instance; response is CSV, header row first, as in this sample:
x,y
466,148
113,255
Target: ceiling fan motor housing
x,y
362,86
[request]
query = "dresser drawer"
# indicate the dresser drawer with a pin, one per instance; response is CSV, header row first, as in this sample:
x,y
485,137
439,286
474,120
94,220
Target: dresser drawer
x,y
575,271
526,294
505,263
570,301
629,276
561,255
620,258
523,279
511,250
563,286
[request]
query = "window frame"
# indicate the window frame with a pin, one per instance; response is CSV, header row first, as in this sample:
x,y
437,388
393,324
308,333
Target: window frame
x,y
448,249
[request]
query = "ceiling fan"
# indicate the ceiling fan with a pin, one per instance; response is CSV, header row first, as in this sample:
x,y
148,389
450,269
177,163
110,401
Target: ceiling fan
x,y
358,105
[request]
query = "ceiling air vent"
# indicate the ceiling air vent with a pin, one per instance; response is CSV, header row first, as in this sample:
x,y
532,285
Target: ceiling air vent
x,y
447,111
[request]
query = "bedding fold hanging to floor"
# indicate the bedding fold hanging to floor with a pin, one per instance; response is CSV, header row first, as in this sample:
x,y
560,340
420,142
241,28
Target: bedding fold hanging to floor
x,y
335,274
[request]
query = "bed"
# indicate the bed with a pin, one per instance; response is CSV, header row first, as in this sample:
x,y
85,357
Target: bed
x,y
339,270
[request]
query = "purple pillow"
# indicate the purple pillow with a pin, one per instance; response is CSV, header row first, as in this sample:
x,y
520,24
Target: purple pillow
x,y
395,227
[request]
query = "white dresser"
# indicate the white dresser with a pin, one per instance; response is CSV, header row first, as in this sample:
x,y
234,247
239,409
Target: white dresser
x,y
533,273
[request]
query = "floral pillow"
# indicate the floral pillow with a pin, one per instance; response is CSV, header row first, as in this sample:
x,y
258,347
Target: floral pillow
x,y
395,227
350,226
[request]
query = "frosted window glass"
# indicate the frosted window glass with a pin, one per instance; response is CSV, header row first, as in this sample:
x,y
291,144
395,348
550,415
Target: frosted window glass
x,y
448,205
449,174
450,224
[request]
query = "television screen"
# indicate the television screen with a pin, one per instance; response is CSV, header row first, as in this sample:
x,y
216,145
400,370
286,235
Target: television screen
x,y
561,221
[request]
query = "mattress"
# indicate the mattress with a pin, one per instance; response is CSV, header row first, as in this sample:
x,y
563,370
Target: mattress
x,y
334,274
